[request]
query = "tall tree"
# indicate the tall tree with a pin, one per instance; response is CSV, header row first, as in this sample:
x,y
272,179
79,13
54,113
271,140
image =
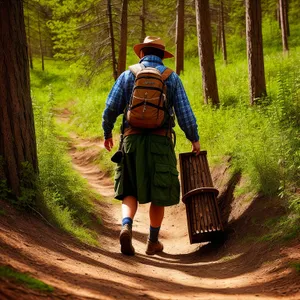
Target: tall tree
x,y
223,37
112,40
41,40
257,83
283,25
123,38
17,138
206,54
29,37
143,20
37,14
180,36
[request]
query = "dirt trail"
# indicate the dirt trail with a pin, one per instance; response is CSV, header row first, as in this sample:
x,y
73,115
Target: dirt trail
x,y
234,270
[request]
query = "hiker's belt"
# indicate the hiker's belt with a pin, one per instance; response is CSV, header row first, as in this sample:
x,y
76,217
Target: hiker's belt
x,y
159,131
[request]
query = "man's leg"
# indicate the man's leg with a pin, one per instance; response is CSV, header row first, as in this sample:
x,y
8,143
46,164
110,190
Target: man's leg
x,y
156,214
129,208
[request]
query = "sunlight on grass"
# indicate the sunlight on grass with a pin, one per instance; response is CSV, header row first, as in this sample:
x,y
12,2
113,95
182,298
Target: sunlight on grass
x,y
30,282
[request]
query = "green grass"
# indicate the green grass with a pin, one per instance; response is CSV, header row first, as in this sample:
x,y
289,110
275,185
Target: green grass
x,y
282,228
28,281
65,194
296,266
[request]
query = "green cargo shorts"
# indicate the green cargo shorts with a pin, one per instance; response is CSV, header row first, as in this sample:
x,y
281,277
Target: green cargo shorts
x,y
148,170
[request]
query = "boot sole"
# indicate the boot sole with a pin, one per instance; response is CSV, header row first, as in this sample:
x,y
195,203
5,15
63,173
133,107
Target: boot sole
x,y
126,245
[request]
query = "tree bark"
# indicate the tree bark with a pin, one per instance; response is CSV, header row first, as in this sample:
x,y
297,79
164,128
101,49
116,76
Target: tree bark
x,y
287,17
143,20
256,70
223,37
112,40
283,25
40,40
180,36
206,54
29,38
17,138
123,39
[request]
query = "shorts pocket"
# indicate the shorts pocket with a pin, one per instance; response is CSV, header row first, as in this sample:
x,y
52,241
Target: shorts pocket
x,y
162,176
166,187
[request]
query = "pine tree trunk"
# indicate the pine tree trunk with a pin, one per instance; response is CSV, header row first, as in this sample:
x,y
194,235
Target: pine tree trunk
x,y
17,138
283,26
257,84
143,20
40,40
218,33
206,54
287,17
112,40
123,39
223,38
180,36
29,38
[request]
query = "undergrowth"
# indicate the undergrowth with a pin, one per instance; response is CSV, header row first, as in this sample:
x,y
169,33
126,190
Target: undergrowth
x,y
65,194
27,280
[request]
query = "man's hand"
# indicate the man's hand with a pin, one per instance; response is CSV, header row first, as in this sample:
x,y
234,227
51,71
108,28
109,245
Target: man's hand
x,y
108,144
196,147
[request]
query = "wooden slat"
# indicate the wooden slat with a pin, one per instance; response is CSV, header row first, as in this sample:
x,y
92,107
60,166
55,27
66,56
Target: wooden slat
x,y
201,205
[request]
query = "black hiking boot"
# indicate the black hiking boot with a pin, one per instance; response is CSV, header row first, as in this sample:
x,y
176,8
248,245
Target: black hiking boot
x,y
126,240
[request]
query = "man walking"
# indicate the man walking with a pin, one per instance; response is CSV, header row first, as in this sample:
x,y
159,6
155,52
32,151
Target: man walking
x,y
147,172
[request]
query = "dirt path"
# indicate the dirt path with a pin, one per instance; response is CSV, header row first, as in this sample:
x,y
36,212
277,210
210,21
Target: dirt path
x,y
235,270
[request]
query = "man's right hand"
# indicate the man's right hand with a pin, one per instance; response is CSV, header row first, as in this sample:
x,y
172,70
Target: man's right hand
x,y
196,147
108,144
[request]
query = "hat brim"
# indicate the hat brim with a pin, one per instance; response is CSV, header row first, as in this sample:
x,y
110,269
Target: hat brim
x,y
137,49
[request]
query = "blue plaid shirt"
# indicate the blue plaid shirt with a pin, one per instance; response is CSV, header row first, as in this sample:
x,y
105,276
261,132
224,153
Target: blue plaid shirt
x,y
120,94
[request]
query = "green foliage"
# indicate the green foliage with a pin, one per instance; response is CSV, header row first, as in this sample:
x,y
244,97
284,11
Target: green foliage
x,y
28,186
30,282
64,192
282,229
4,190
296,266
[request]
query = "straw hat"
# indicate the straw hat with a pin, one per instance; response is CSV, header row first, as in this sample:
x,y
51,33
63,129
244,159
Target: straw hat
x,y
153,42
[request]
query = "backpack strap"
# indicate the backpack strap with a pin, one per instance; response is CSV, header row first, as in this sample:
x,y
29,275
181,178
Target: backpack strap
x,y
166,74
135,69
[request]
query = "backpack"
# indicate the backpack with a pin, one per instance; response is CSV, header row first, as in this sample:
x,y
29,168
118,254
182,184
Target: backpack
x,y
148,106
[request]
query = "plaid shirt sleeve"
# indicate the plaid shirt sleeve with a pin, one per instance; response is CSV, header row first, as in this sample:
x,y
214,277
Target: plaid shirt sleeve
x,y
115,105
184,114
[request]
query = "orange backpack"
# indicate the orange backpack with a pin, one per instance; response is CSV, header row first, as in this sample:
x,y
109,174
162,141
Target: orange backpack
x,y
148,105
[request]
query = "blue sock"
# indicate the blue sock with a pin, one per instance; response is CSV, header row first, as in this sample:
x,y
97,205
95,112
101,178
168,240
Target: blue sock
x,y
153,237
128,221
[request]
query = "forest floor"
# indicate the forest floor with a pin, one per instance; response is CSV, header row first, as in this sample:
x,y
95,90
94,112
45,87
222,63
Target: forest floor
x,y
240,268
